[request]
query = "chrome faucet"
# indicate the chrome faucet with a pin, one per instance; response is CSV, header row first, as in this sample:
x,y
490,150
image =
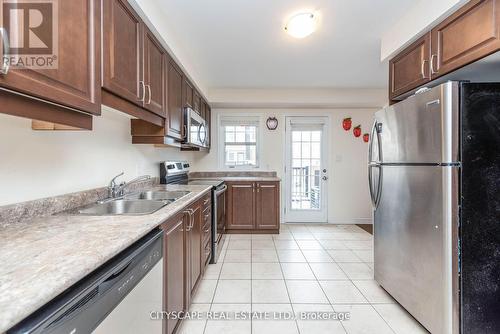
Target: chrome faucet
x,y
117,190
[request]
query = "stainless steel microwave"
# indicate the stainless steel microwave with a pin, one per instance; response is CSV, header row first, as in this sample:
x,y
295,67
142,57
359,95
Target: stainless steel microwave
x,y
196,129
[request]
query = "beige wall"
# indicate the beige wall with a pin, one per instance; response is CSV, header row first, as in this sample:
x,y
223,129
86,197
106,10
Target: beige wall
x,y
348,188
37,164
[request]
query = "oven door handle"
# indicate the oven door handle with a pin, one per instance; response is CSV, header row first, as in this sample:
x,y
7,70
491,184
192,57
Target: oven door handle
x,y
221,191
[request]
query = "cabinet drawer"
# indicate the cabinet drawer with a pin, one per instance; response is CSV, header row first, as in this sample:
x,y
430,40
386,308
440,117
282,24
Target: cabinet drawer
x,y
207,252
207,202
207,233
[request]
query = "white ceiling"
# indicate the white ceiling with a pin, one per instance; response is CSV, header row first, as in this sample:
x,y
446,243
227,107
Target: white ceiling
x,y
241,44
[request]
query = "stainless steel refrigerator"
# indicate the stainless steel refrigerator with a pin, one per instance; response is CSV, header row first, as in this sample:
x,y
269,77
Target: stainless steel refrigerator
x,y
434,181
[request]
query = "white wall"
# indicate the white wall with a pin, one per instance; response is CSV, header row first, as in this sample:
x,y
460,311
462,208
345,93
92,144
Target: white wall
x,y
333,98
422,16
349,200
35,164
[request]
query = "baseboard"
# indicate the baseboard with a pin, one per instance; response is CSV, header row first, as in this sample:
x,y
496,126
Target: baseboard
x,y
352,221
367,227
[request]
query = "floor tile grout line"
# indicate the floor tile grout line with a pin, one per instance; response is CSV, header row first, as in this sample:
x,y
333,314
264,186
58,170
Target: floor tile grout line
x,y
321,287
286,287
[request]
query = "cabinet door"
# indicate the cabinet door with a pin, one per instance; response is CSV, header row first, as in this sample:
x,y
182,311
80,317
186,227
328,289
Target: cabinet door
x,y
410,68
197,103
154,74
268,205
471,33
195,237
188,93
175,120
76,80
122,51
241,206
174,272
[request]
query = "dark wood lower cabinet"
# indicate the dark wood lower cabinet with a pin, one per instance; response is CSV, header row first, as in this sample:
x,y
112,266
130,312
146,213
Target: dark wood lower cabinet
x,y
267,206
184,256
174,255
241,206
253,207
195,245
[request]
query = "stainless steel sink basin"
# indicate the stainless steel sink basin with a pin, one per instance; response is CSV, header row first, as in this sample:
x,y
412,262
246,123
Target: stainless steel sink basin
x,y
158,195
124,207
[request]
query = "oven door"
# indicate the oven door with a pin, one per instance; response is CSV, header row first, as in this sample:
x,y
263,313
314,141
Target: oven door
x,y
219,222
196,129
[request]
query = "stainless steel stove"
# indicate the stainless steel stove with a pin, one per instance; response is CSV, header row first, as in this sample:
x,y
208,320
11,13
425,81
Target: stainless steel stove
x,y
177,172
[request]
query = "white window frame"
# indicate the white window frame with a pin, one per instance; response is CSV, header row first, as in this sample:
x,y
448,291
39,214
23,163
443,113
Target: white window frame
x,y
251,119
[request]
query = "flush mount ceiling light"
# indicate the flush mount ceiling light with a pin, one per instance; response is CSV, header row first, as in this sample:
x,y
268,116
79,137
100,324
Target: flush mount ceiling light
x,y
301,25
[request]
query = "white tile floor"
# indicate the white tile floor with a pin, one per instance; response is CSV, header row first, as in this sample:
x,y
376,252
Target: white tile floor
x,y
306,268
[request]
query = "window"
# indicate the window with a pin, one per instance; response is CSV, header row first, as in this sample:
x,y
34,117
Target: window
x,y
239,142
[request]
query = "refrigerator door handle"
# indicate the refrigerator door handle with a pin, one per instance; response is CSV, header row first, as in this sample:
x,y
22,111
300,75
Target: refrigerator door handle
x,y
370,146
370,182
378,129
379,187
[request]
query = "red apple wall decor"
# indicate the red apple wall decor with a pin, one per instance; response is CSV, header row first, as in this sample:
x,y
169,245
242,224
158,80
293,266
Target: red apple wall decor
x,y
366,137
357,131
347,123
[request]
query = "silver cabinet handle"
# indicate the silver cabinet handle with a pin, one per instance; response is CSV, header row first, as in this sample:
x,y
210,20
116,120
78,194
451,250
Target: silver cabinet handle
x,y
432,64
6,50
143,91
423,68
149,94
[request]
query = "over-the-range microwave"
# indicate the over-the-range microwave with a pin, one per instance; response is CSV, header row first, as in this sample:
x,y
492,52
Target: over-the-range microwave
x,y
196,129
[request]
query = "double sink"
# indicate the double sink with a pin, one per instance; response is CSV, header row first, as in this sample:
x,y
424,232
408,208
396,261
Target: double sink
x,y
143,203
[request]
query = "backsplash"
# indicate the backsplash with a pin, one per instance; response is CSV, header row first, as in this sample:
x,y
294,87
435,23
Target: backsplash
x,y
20,212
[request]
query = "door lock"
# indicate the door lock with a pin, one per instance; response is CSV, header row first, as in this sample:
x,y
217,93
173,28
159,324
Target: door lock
x,y
325,178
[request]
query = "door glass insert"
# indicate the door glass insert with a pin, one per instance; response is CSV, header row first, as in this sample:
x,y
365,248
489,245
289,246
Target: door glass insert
x,y
306,170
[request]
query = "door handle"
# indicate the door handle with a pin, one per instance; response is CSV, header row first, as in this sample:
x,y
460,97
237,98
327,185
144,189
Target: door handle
x,y
434,56
149,94
6,50
422,69
143,91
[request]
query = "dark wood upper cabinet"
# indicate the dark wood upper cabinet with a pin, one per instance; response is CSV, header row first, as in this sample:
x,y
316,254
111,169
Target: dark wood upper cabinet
x,y
175,113
469,34
154,74
188,94
241,206
267,206
174,259
122,51
76,81
410,68
466,36
197,102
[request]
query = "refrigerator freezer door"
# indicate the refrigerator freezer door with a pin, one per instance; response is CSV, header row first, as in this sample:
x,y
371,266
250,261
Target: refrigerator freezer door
x,y
422,129
415,242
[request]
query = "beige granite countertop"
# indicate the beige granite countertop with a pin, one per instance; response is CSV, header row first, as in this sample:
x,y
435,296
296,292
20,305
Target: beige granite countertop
x,y
41,258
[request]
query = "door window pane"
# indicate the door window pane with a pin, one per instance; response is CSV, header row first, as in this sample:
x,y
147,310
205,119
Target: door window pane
x,y
306,170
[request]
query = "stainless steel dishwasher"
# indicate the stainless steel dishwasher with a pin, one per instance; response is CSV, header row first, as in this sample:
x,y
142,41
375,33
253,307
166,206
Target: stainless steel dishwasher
x,y
122,296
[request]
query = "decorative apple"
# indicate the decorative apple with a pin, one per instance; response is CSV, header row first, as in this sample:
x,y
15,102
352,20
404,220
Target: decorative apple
x,y
357,131
366,137
347,123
